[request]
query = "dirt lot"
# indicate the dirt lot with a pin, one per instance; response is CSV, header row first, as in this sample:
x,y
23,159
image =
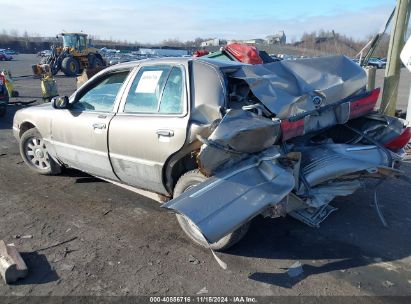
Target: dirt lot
x,y
120,243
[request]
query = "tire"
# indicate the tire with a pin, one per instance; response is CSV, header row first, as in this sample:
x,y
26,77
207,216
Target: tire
x,y
70,66
187,181
35,155
98,62
94,61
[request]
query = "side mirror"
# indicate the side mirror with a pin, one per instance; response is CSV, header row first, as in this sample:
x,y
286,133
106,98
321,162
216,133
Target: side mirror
x,y
60,102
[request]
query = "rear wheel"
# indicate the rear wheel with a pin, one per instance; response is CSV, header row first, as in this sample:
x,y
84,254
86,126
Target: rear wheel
x,y
186,182
70,66
94,61
34,153
98,62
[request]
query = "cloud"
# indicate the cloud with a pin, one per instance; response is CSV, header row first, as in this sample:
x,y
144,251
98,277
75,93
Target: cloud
x,y
156,20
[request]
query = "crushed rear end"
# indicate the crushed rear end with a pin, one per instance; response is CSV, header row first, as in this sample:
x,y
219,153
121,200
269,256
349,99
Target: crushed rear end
x,y
296,135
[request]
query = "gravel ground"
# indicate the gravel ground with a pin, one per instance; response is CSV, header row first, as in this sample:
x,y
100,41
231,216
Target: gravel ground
x,y
82,236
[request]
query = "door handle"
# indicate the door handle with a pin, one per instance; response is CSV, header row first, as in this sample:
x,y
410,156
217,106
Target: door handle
x,y
99,126
163,132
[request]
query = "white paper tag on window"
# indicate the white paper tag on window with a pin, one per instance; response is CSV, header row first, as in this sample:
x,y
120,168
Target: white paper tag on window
x,y
148,82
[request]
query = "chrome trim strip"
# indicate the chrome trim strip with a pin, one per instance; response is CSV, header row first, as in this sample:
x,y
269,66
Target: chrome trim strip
x,y
135,160
361,148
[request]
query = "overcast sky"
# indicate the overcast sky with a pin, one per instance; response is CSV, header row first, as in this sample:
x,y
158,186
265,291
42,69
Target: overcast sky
x,y
156,20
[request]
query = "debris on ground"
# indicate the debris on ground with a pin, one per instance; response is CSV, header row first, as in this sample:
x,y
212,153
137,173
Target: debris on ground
x,y
387,284
192,259
202,291
58,244
67,267
18,236
295,270
12,265
107,212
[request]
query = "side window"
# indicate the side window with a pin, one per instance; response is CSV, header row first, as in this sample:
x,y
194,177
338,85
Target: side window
x,y
172,99
101,96
156,89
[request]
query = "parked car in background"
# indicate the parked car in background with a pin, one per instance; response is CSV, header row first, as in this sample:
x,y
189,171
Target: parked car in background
x,y
375,62
225,141
4,56
11,52
44,53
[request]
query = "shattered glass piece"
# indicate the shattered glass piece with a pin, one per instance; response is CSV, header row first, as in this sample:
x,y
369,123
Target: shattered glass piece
x,y
295,270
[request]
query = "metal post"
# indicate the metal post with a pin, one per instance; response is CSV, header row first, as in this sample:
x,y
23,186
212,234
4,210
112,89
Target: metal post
x,y
371,73
392,71
408,118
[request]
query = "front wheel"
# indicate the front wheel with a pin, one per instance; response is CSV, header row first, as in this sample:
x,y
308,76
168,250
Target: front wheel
x,y
34,153
70,66
186,182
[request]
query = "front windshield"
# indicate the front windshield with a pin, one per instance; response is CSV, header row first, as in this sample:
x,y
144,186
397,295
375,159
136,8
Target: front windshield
x,y
69,40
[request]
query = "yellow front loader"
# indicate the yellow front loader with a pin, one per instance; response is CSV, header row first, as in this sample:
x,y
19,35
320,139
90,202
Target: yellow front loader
x,y
74,55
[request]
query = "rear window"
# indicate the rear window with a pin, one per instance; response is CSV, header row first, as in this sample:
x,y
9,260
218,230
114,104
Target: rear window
x,y
156,89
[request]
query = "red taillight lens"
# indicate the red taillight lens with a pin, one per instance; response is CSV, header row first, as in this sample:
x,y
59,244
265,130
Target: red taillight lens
x,y
364,105
292,129
400,141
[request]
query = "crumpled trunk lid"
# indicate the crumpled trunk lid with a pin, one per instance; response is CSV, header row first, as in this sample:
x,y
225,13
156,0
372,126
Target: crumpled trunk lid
x,y
291,87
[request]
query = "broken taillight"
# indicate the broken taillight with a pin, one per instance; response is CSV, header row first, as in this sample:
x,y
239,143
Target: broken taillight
x,y
359,106
364,105
290,129
400,141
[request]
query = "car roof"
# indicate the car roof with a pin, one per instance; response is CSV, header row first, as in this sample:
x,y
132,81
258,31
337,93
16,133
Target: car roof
x,y
174,60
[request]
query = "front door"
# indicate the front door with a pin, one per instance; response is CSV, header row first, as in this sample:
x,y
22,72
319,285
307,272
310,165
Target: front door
x,y
150,125
79,134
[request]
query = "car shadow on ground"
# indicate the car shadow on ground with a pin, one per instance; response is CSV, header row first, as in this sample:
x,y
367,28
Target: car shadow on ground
x,y
352,237
81,177
40,270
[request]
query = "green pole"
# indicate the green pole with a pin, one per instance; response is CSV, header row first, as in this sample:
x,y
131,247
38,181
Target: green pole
x,y
393,68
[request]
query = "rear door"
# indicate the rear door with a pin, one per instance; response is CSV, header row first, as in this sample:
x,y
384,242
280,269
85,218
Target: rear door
x,y
150,125
79,134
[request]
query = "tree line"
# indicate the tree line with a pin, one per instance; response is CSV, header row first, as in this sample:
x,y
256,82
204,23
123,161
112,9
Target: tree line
x,y
317,42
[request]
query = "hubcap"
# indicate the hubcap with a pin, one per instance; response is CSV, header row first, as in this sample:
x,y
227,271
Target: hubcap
x,y
36,153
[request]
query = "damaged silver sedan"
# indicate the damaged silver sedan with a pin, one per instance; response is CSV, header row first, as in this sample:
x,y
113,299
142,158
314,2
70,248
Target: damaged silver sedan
x,y
224,141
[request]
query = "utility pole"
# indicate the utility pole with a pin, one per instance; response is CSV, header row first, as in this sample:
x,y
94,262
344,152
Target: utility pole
x,y
393,68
